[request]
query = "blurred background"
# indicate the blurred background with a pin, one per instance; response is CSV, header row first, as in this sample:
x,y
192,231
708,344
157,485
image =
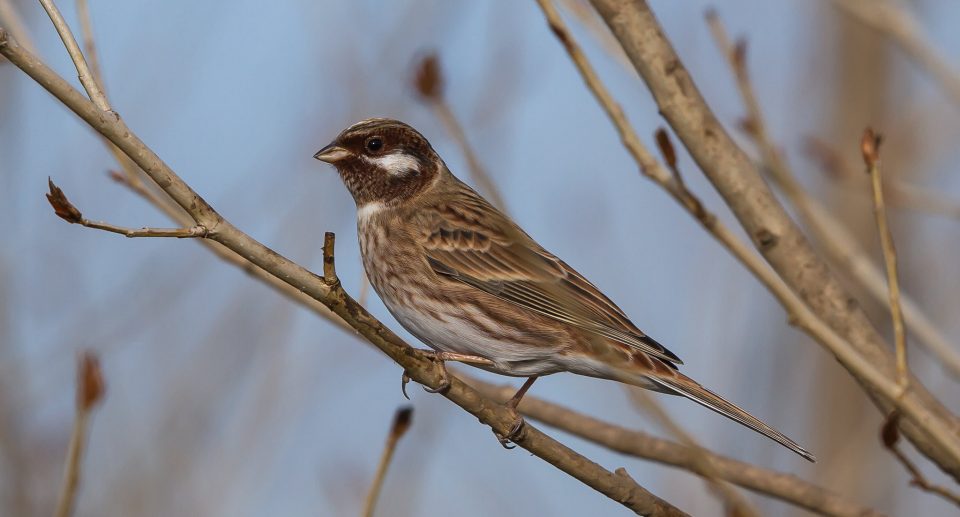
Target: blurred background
x,y
226,399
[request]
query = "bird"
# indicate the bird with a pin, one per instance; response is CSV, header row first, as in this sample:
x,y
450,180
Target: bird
x,y
462,277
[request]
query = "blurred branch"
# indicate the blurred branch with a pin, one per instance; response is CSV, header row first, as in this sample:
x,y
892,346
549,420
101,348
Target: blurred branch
x,y
86,77
401,423
890,435
90,389
839,245
416,363
89,47
10,18
785,487
903,29
870,147
902,194
826,311
429,83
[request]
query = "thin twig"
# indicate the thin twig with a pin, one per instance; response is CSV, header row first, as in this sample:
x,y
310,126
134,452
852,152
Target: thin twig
x,y
870,148
416,363
90,390
903,29
890,436
835,240
429,83
86,77
401,423
68,212
638,32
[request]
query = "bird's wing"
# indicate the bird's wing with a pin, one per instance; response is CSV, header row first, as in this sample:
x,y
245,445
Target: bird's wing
x,y
468,240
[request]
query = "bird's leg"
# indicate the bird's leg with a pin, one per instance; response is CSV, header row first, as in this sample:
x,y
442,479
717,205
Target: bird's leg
x,y
441,358
518,420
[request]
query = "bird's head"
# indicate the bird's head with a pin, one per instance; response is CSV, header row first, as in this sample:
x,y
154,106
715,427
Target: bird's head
x,y
382,160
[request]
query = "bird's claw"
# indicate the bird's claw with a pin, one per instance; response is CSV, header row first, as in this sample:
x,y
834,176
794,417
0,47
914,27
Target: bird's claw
x,y
512,434
403,384
444,377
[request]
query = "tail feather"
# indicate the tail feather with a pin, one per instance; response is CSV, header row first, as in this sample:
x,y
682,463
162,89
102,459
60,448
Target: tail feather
x,y
683,385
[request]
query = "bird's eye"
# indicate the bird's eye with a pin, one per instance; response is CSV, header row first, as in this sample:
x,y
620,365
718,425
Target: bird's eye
x,y
374,144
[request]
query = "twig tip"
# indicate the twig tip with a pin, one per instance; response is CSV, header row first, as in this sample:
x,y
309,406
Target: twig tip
x,y
61,205
428,78
402,421
870,147
90,385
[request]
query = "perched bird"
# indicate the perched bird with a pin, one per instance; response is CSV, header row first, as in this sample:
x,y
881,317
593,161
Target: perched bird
x,y
463,278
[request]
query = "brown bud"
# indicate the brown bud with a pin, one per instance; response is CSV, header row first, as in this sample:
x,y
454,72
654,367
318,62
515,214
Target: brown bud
x,y
401,421
666,147
870,147
890,433
428,78
61,205
90,385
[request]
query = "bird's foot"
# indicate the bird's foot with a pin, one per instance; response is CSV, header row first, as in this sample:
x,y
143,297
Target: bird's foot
x,y
441,358
515,430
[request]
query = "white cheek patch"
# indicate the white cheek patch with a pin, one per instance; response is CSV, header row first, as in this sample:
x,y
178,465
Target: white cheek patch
x,y
396,164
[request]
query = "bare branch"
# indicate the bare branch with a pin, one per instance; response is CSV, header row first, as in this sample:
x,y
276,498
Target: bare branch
x,y
831,314
90,390
836,241
401,423
65,209
419,366
870,148
86,77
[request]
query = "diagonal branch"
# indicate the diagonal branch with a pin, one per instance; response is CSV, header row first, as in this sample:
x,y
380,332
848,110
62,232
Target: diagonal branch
x,y
929,425
835,239
618,486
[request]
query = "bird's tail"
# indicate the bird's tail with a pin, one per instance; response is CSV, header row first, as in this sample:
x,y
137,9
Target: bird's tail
x,y
680,384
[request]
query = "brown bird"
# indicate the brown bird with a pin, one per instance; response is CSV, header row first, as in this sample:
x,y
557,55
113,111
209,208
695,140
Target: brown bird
x,y
466,280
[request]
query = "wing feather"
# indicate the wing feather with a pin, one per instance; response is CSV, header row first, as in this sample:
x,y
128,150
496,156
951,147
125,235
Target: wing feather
x,y
468,240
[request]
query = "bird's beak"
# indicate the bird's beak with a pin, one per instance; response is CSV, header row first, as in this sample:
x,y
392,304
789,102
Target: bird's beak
x,y
332,154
